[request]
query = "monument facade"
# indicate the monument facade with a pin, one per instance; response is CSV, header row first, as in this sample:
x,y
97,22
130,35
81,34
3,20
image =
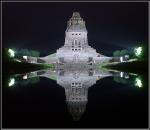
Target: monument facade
x,y
76,48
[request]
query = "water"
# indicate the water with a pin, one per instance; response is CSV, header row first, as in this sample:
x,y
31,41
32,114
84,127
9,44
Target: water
x,y
75,97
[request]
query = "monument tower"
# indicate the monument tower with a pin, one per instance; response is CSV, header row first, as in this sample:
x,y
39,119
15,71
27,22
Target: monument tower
x,y
76,48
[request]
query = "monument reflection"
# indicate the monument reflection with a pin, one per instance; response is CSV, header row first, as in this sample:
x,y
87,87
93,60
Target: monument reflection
x,y
75,79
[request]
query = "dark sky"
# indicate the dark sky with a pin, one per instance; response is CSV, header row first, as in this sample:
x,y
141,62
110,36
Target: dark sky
x,y
41,26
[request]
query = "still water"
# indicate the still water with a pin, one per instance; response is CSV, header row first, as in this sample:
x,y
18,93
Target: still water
x,y
75,97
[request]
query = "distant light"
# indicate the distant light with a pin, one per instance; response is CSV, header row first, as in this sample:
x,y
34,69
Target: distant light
x,y
138,51
126,56
11,82
25,77
11,52
121,59
121,74
25,57
138,82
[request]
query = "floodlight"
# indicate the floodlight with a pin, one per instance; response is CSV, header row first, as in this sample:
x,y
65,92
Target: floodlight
x,y
11,53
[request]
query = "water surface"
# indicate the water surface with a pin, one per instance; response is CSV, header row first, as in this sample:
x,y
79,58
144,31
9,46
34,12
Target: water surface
x,y
75,97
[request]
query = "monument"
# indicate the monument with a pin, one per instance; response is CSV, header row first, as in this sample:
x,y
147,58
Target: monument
x,y
76,48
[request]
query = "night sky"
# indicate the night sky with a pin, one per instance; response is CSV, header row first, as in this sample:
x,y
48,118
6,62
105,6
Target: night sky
x,y
41,26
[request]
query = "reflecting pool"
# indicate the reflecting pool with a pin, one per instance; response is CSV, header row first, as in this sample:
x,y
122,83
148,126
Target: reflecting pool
x,y
75,96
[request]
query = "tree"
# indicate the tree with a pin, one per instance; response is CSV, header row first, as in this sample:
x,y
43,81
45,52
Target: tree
x,y
120,53
121,80
116,53
34,53
25,52
123,52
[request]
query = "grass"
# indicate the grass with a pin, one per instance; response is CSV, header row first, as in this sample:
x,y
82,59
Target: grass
x,y
53,77
12,66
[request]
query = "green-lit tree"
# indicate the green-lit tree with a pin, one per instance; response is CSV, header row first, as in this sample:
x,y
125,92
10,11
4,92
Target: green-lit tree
x,y
25,52
120,80
34,53
119,53
123,52
116,53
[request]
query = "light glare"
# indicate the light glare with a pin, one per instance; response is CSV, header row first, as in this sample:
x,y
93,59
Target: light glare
x,y
11,52
138,82
138,51
121,59
25,77
11,82
25,57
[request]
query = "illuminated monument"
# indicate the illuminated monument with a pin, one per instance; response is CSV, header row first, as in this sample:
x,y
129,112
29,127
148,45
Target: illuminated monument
x,y
75,66
76,48
76,69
